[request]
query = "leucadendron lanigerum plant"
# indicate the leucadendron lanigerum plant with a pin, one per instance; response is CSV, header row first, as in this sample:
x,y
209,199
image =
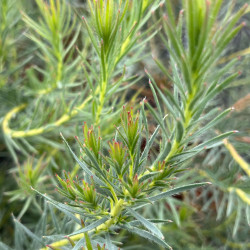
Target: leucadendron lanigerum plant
x,y
121,177
116,183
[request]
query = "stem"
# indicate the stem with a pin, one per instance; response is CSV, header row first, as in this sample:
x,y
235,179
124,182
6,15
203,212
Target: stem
x,y
187,113
114,213
59,70
101,102
103,84
187,119
37,131
173,150
131,166
113,193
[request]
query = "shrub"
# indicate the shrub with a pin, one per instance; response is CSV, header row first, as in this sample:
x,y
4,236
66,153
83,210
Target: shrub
x,y
77,74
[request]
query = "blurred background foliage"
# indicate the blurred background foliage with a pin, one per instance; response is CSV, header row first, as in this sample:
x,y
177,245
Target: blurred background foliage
x,y
46,57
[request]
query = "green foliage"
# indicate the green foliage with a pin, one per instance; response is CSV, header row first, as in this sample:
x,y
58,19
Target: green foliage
x,y
58,70
50,33
9,26
107,199
30,174
190,66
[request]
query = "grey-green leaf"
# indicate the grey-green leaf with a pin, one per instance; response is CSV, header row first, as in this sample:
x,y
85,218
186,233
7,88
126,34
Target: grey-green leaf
x,y
147,235
91,226
176,191
149,225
